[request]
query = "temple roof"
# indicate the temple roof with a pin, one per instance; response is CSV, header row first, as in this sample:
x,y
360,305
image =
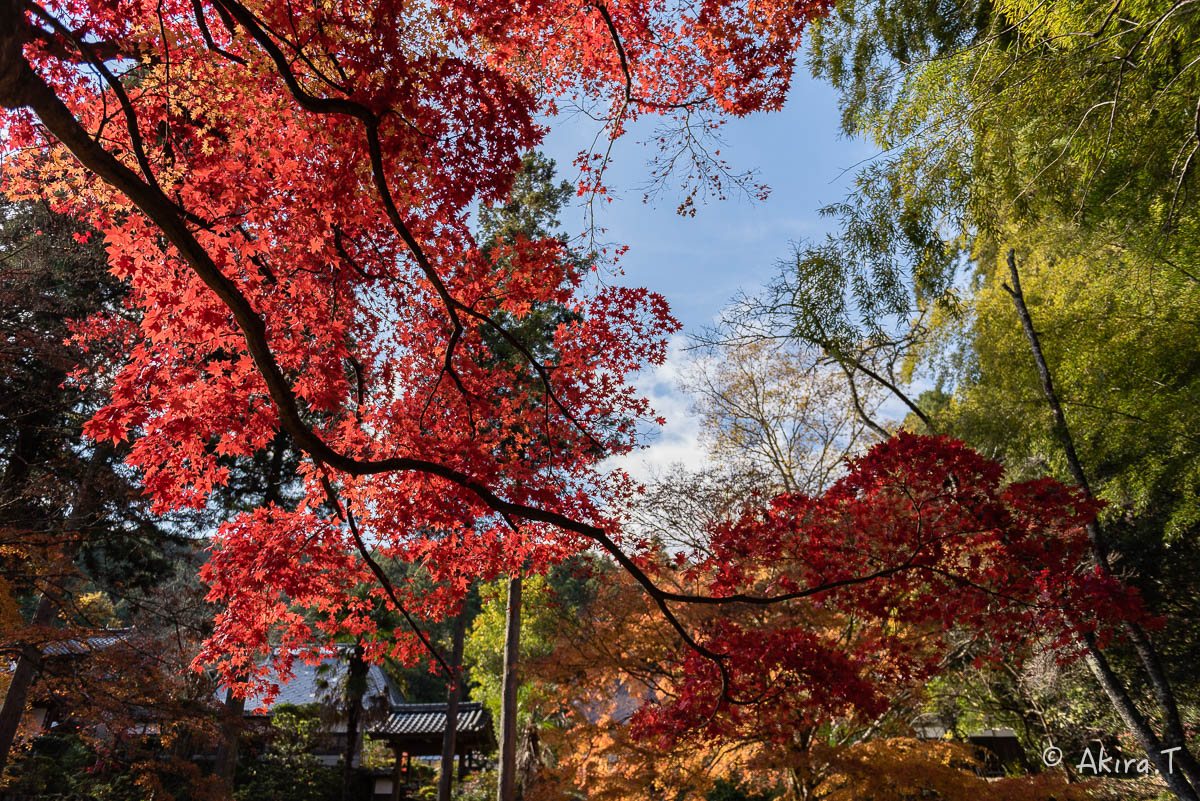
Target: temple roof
x,y
430,719
322,683
414,728
87,645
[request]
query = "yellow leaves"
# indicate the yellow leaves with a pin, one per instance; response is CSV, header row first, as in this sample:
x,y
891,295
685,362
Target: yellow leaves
x,y
97,609
1065,23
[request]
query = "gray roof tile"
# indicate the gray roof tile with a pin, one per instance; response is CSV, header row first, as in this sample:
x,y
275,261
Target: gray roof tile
x,y
321,683
87,645
430,719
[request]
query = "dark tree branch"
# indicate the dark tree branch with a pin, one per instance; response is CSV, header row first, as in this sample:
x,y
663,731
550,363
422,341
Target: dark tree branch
x,y
616,37
346,516
202,23
131,120
858,407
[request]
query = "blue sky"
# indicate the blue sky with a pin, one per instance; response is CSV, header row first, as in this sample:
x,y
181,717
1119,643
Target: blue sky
x,y
699,263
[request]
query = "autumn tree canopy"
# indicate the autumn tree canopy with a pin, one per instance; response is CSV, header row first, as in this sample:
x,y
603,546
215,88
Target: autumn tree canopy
x,y
288,192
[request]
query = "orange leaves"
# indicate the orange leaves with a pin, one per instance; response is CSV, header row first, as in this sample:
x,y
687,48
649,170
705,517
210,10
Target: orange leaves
x,y
900,767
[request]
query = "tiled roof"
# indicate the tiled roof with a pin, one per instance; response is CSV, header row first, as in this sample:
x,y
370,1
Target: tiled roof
x,y
430,719
88,644
322,683
415,724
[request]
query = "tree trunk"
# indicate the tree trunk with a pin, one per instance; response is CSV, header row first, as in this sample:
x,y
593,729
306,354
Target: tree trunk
x,y
1181,762
225,766
453,694
506,785
22,679
356,685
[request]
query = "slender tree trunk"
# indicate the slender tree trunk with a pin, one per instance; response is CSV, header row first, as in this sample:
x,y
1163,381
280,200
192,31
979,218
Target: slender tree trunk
x,y
453,694
1167,763
506,785
356,681
1181,762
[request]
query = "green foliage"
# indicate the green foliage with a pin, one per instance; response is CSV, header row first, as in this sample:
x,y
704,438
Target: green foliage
x,y
1123,345
990,116
544,602
532,207
289,771
861,46
1041,701
484,646
377,754
51,764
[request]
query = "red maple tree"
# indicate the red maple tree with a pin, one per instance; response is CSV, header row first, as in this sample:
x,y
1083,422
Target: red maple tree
x,y
832,604
288,190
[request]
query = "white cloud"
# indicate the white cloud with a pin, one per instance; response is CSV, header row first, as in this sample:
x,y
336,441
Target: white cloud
x,y
678,440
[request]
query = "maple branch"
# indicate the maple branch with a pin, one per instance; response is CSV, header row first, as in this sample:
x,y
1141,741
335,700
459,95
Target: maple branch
x,y
370,121
350,108
131,120
202,23
339,237
624,59
538,367
347,517
67,52
616,37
